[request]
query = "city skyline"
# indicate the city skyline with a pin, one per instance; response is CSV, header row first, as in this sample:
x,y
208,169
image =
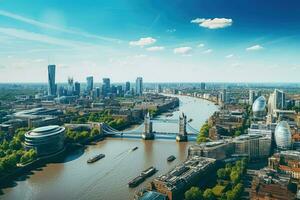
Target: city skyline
x,y
195,41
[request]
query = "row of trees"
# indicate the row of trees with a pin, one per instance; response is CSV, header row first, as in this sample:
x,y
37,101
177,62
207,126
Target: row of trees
x,y
229,186
78,136
102,116
12,152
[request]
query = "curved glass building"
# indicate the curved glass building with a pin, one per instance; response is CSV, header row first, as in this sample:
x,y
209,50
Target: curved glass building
x,y
283,136
259,107
45,140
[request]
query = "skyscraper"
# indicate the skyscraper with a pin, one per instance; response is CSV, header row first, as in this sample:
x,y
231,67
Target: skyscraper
x,y
90,83
70,86
202,86
51,80
105,86
251,97
127,87
77,88
279,99
139,86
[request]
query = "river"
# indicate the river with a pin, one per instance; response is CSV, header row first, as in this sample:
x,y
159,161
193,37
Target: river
x,y
73,178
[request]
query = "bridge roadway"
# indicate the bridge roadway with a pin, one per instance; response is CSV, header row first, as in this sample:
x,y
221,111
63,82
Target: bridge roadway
x,y
191,137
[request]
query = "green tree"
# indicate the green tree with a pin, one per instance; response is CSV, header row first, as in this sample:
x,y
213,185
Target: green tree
x,y
237,133
222,174
209,195
235,176
194,193
95,131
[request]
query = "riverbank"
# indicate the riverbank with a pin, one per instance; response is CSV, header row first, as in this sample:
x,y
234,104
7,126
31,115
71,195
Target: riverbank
x,y
97,181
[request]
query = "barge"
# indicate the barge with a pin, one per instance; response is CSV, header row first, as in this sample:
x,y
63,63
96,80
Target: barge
x,y
95,158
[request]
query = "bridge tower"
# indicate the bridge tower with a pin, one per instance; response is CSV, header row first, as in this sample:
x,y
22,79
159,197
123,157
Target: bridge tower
x,y
182,135
148,132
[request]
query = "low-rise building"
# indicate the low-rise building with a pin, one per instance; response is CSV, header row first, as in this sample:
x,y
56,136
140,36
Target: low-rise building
x,y
286,162
183,176
269,185
253,146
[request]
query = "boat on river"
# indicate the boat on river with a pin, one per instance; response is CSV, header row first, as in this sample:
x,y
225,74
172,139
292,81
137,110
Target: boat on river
x,y
171,158
135,148
95,158
142,177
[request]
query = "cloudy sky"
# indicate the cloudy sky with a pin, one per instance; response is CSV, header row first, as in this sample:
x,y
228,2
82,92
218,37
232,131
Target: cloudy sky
x,y
164,41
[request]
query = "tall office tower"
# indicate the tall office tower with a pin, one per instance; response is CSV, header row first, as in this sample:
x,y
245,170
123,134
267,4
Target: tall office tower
x,y
120,90
105,86
90,83
158,88
70,86
77,88
251,97
279,99
51,80
223,96
202,86
139,86
271,104
127,87
97,92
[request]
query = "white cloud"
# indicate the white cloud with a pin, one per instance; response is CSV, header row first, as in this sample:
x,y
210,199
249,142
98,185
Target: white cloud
x,y
201,45
254,48
213,23
229,56
207,51
156,48
143,42
183,50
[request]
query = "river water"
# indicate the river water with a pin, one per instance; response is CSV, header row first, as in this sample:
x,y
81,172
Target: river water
x,y
73,178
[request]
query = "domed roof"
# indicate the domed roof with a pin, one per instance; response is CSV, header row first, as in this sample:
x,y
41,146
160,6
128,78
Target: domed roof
x,y
45,131
259,104
283,136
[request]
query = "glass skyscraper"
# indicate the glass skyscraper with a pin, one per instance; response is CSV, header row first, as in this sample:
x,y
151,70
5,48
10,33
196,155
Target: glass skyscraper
x,y
139,86
90,83
51,80
105,86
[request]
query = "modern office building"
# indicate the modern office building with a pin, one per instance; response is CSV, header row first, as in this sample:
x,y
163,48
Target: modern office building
x,y
283,136
223,97
218,150
77,88
70,89
139,86
106,87
97,92
276,101
45,140
259,107
202,86
127,87
251,97
279,99
89,83
51,80
253,146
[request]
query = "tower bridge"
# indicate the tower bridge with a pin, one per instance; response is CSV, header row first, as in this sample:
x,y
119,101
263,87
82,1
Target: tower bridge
x,y
146,132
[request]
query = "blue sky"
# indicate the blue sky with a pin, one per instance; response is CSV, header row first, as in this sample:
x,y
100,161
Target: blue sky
x,y
164,41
